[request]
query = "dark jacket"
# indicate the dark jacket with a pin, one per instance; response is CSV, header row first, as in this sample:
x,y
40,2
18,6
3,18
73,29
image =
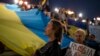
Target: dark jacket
x,y
1,47
93,44
50,49
64,51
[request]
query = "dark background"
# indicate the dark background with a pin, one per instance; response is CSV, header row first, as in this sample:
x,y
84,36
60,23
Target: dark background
x,y
89,8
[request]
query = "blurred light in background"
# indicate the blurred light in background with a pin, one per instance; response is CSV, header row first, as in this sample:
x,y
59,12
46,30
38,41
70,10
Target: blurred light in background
x,y
80,15
93,24
98,18
94,18
56,10
21,2
25,2
76,19
83,20
28,6
16,1
69,12
90,22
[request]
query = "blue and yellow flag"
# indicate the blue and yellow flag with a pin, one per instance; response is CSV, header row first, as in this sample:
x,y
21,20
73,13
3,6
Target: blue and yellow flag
x,y
15,35
74,25
23,31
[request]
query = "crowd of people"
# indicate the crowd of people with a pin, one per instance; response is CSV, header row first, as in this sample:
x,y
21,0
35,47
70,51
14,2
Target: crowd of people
x,y
55,29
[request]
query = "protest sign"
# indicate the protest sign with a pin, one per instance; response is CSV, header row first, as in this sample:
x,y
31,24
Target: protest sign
x,y
76,49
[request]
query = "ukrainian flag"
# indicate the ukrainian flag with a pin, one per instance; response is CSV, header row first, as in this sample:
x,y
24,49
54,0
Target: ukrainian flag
x,y
15,35
74,25
23,31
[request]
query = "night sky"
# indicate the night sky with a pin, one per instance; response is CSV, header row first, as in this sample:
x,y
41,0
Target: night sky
x,y
90,8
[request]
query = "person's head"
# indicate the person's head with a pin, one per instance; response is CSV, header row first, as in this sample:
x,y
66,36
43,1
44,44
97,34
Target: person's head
x,y
60,10
80,35
52,15
92,37
54,28
47,8
55,16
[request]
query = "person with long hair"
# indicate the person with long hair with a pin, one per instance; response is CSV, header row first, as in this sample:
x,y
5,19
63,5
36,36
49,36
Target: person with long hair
x,y
54,33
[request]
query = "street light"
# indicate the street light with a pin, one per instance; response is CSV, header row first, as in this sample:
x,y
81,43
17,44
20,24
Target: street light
x,y
94,18
56,10
26,3
20,2
83,20
90,22
98,18
80,15
16,1
76,19
69,12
